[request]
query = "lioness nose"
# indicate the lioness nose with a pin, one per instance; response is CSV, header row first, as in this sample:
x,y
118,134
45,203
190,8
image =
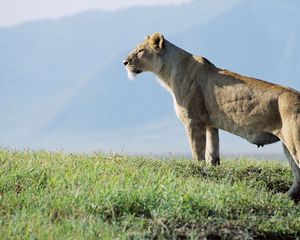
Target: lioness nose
x,y
125,62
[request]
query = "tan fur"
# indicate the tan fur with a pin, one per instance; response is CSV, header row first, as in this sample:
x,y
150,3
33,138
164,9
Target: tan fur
x,y
207,98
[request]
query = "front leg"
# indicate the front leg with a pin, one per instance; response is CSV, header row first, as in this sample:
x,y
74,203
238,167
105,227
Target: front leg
x,y
196,132
212,151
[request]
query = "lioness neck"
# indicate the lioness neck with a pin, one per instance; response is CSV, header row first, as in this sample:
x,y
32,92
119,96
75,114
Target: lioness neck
x,y
176,63
173,60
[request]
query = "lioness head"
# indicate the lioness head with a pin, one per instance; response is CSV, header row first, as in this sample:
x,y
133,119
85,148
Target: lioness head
x,y
146,56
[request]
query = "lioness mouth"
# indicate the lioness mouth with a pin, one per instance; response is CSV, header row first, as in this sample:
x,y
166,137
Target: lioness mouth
x,y
137,71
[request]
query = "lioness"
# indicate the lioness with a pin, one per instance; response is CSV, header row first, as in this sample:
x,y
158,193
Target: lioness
x,y
207,98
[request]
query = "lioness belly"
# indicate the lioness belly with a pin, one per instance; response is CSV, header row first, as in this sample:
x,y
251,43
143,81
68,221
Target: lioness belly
x,y
255,136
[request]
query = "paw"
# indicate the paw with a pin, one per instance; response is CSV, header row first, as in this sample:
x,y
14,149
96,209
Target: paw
x,y
294,194
213,161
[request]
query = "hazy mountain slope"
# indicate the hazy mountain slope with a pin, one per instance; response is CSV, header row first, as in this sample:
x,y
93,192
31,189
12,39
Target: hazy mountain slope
x,y
62,83
256,39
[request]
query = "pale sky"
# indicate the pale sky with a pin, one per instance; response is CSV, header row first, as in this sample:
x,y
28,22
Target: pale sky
x,y
14,12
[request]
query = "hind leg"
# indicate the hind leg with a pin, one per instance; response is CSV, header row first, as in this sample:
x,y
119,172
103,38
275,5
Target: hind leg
x,y
294,191
289,110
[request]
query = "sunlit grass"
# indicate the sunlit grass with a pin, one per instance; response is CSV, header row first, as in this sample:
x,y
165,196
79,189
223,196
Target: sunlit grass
x,y
47,195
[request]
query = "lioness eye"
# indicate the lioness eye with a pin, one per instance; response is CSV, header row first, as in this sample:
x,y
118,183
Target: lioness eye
x,y
140,50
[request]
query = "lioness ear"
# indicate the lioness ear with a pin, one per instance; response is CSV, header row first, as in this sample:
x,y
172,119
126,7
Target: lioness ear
x,y
157,41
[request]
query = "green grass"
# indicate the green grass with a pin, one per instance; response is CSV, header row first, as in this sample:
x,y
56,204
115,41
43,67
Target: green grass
x,y
75,196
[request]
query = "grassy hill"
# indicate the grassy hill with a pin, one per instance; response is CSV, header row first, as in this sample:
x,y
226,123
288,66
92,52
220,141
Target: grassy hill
x,y
47,195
